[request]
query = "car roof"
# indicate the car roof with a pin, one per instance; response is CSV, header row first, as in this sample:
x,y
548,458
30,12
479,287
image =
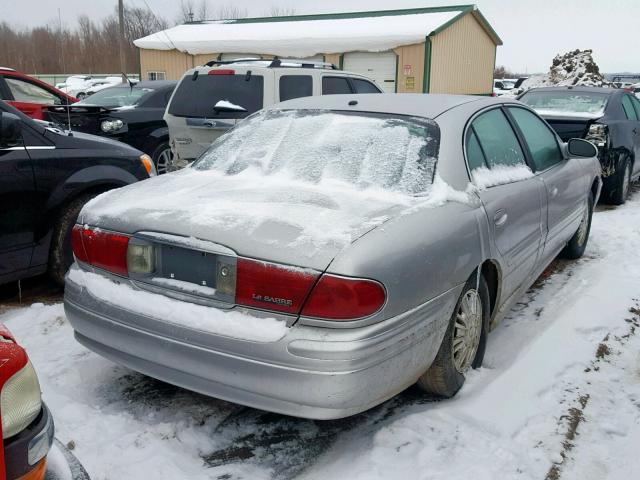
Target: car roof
x,y
583,89
413,104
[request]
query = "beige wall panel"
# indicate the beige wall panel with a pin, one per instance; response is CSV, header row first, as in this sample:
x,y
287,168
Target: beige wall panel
x,y
462,59
410,68
332,58
172,62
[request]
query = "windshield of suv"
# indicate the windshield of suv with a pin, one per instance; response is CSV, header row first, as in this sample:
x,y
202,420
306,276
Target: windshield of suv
x,y
120,96
566,102
395,153
197,97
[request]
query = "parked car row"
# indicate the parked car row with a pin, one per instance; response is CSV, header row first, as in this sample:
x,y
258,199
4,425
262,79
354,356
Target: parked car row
x,y
323,232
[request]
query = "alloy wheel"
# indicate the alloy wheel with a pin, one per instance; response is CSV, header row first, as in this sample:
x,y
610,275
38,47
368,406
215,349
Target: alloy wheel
x,y
164,160
467,330
584,227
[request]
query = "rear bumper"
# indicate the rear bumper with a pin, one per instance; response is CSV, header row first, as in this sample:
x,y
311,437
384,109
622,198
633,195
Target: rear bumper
x,y
35,439
312,372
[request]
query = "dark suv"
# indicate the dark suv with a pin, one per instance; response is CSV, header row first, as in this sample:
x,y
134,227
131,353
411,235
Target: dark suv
x,y
46,176
608,117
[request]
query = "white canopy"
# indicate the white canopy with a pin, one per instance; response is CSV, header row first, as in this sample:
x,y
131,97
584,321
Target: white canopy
x,y
300,38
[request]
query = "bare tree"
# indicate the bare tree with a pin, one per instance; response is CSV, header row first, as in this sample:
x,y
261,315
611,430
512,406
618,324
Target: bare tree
x,y
276,11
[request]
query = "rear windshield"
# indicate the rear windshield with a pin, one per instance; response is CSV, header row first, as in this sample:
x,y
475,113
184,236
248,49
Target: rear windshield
x,y
395,153
566,102
117,97
196,98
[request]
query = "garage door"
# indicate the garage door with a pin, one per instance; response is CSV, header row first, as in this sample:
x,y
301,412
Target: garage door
x,y
381,67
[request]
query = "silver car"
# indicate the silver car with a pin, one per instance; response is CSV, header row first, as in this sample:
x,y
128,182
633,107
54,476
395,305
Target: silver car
x,y
329,252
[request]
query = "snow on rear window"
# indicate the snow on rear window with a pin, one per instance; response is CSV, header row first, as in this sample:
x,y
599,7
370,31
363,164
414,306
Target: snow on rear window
x,y
388,152
558,103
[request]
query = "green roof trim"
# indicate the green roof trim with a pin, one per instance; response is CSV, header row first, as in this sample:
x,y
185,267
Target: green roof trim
x,y
478,16
338,16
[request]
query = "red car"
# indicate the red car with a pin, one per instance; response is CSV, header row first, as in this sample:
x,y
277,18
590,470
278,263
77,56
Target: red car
x,y
30,95
27,425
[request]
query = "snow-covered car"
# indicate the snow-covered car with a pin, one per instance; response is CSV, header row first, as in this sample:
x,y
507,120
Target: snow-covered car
x,y
502,86
329,252
609,117
82,88
27,425
210,99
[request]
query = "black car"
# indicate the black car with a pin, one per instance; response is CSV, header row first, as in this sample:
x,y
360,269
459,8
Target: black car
x,y
608,117
46,176
131,114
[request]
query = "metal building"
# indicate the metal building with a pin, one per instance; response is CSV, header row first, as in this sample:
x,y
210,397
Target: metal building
x,y
432,50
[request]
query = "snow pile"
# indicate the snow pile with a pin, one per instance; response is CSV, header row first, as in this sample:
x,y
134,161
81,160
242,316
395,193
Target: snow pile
x,y
575,68
190,315
299,38
500,174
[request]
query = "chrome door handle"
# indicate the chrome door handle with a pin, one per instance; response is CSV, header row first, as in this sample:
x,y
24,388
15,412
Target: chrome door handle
x,y
554,192
500,218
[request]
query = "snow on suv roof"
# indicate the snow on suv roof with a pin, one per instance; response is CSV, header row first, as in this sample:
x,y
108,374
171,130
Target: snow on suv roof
x,y
308,35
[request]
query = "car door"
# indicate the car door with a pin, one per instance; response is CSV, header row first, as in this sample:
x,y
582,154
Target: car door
x,y
513,204
564,180
636,134
29,98
17,209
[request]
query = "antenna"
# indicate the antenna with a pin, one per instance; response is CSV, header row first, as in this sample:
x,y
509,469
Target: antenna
x,y
69,132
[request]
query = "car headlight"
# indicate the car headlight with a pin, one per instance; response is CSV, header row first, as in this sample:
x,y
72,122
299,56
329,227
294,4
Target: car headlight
x,y
148,165
108,126
20,401
598,134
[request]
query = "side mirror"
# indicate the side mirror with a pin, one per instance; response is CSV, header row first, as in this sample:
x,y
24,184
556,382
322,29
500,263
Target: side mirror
x,y
10,129
578,147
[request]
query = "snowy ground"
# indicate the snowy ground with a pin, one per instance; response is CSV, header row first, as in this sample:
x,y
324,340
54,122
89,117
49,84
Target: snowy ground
x,y
558,397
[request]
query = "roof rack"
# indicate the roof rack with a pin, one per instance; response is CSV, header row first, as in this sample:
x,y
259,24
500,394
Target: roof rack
x,y
275,63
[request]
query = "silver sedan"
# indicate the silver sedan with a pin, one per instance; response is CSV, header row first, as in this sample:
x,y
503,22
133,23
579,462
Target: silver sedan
x,y
329,252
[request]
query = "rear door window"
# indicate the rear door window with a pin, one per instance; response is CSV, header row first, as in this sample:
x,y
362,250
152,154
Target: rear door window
x,y
627,106
497,140
196,98
28,92
363,86
295,86
540,139
335,86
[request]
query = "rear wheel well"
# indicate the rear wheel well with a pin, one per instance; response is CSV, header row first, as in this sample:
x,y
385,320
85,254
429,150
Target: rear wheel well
x,y
491,275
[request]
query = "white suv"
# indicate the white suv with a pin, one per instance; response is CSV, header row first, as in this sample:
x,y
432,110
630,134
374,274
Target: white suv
x,y
211,98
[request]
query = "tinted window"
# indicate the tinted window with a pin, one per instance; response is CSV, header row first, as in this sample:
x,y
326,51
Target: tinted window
x,y
629,111
295,86
118,97
497,139
566,102
636,104
362,86
335,86
30,93
540,139
196,98
475,157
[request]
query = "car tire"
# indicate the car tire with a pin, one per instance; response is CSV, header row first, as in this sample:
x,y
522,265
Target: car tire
x,y
578,243
61,254
621,193
446,376
162,156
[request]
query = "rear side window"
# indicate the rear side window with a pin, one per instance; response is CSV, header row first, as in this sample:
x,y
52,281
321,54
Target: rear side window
x,y
28,92
475,157
295,86
196,98
335,86
498,140
541,141
362,86
629,111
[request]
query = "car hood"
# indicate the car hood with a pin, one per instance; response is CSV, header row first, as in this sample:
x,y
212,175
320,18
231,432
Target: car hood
x,y
88,141
259,216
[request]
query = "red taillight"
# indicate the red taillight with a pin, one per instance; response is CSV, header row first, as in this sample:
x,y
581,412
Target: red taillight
x,y
343,298
104,250
222,71
271,286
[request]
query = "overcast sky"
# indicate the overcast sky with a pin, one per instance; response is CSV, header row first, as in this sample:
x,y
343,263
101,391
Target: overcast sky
x,y
533,31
